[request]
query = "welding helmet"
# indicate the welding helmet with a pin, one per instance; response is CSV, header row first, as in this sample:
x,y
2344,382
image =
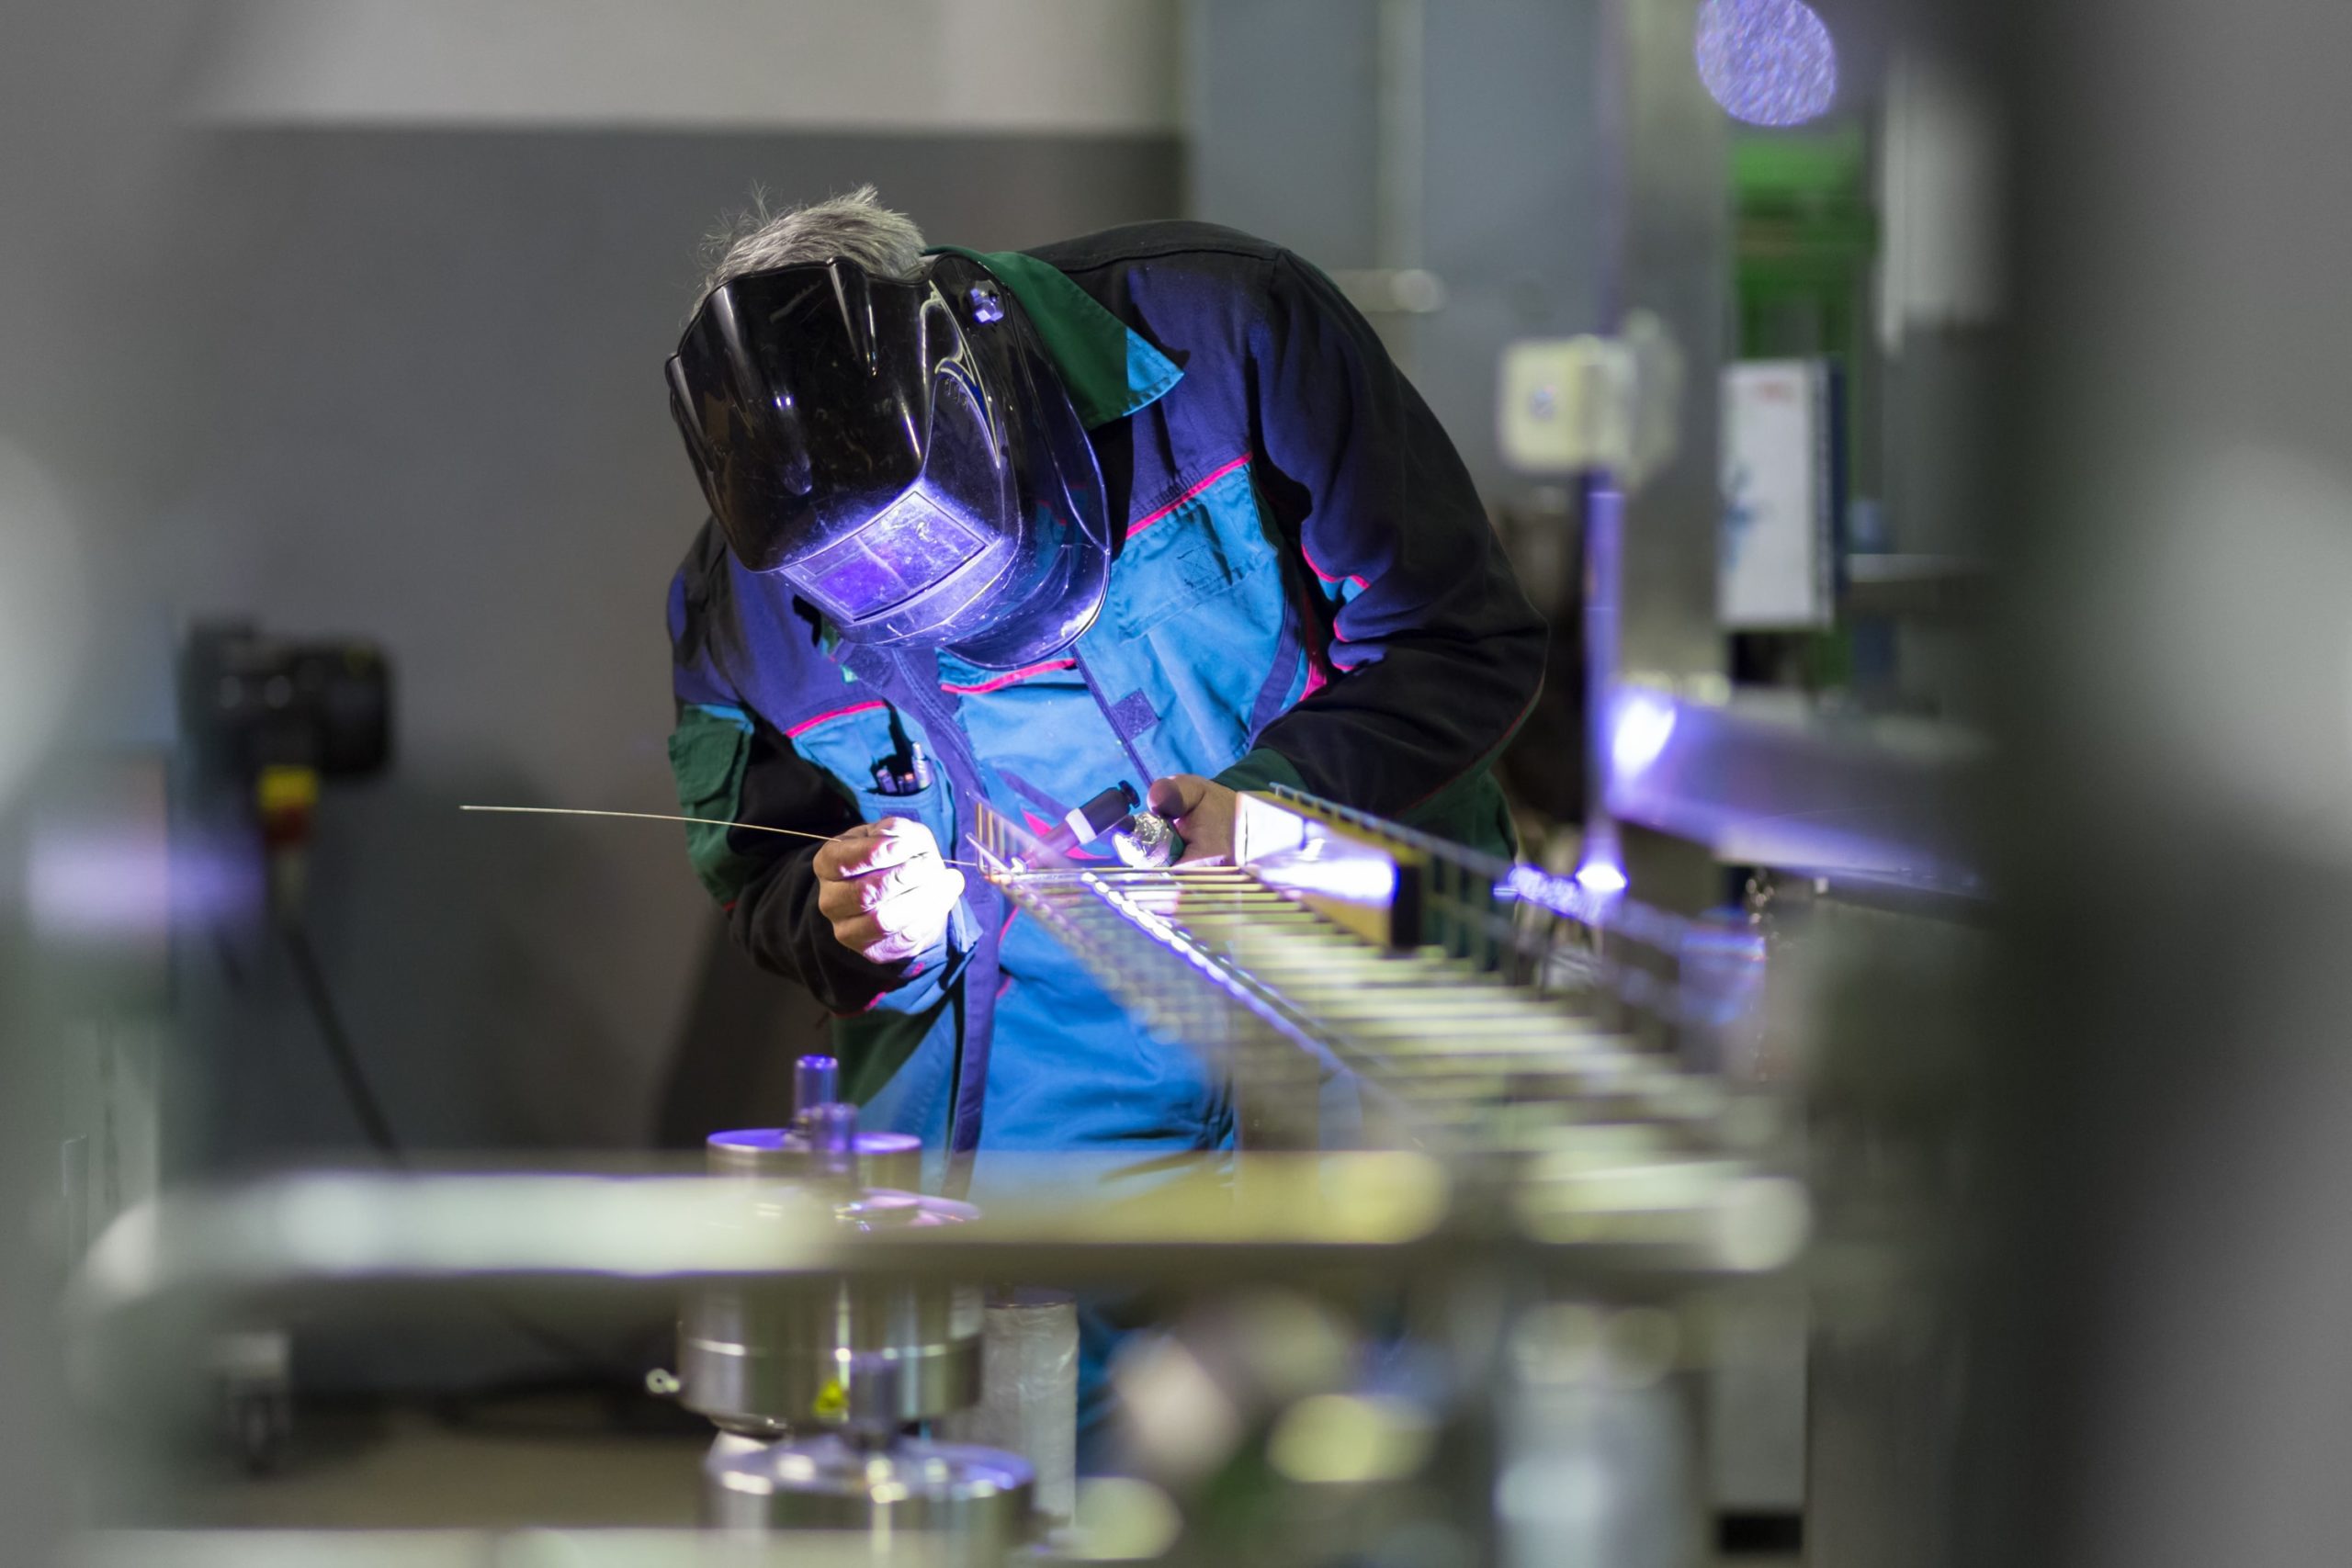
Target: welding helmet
x,y
900,453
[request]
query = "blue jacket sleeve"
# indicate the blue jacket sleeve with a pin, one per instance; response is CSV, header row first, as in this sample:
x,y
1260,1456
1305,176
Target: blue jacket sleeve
x,y
1437,655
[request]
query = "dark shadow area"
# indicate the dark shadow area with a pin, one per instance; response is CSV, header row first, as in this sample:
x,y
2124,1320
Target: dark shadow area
x,y
732,1064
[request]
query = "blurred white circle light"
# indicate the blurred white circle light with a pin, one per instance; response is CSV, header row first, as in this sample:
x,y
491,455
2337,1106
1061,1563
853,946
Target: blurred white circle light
x,y
1766,61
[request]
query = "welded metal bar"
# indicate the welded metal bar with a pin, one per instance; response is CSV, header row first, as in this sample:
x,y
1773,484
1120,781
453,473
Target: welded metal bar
x,y
1451,1038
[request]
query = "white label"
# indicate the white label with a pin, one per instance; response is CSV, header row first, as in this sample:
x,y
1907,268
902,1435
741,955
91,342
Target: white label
x,y
1775,561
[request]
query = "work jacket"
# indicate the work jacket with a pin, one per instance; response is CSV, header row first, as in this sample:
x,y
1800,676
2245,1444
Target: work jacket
x,y
1307,589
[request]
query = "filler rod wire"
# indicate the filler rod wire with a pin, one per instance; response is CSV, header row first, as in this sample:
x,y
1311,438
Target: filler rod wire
x,y
665,817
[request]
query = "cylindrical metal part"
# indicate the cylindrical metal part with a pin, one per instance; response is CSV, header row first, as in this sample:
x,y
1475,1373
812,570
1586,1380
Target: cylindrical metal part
x,y
1029,1393
892,1160
816,1080
766,1356
832,1132
976,1502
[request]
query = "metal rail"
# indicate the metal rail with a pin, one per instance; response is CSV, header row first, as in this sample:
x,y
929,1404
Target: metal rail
x,y
1481,1025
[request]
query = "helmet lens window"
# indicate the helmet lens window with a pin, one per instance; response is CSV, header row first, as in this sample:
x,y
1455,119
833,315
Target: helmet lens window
x,y
909,546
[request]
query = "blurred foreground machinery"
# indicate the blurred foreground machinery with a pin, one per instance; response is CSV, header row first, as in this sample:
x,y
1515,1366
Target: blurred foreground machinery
x,y
815,1385
1452,1302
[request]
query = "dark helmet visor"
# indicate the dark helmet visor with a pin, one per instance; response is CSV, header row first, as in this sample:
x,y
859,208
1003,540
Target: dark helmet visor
x,y
906,461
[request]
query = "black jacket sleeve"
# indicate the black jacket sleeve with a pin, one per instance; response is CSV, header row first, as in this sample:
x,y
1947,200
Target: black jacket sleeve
x,y
1437,654
775,918
731,764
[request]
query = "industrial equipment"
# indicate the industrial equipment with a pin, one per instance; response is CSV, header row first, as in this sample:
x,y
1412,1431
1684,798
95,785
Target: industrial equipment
x,y
1543,1184
813,1382
1481,1010
263,722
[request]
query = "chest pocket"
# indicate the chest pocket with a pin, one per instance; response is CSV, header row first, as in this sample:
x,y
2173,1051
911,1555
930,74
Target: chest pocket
x,y
848,742
1183,566
1199,545
1195,623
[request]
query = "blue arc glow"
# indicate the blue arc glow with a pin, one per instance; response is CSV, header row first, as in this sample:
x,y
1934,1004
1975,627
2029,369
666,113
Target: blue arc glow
x,y
1766,61
1641,723
1588,896
1603,879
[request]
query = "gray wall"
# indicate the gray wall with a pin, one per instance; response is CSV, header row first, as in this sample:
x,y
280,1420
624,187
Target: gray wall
x,y
421,403
1285,145
1285,101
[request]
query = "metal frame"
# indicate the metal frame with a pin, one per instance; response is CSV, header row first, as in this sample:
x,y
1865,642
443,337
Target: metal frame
x,y
1480,1024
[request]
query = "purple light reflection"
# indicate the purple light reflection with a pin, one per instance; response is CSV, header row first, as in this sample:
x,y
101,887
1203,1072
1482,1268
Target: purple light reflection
x,y
1641,723
1330,869
1585,896
1766,61
113,883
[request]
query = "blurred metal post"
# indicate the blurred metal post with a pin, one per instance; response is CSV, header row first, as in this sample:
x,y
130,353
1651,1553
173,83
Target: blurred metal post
x,y
2165,1359
1665,228
73,1201
1402,119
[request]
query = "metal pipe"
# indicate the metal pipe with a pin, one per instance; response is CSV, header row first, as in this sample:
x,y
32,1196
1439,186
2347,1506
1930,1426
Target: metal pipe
x,y
1402,114
816,1080
832,1132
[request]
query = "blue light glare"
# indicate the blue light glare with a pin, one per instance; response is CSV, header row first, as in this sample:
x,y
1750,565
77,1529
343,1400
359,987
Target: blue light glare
x,y
1766,61
1640,726
1601,877
1588,896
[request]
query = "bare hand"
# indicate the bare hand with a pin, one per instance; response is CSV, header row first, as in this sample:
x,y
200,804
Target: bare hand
x,y
886,888
1201,811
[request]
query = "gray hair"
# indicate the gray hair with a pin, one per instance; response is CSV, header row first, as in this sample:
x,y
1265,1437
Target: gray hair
x,y
856,226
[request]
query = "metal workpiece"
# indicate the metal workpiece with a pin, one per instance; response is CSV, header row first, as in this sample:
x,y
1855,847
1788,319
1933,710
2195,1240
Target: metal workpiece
x,y
770,1356
974,1502
814,1382
831,1133
1458,989
816,1080
778,1154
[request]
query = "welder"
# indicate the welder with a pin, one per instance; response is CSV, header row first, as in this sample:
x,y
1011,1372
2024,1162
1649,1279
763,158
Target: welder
x,y
1153,507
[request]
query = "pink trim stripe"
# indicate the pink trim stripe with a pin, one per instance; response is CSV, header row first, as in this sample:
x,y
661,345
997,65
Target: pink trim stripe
x,y
1325,576
1140,524
999,682
808,724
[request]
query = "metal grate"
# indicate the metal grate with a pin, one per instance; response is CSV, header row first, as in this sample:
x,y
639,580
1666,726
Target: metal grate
x,y
1475,1029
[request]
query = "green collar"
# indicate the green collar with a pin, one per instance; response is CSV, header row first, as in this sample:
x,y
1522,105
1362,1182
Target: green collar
x,y
1110,370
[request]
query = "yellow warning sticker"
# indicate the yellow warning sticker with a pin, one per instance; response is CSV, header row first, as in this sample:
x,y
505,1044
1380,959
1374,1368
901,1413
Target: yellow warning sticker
x,y
832,1401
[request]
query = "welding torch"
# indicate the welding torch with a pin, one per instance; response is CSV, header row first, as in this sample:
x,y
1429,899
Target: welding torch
x,y
1141,839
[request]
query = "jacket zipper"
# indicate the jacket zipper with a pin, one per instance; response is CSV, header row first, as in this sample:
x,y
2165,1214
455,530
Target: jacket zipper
x,y
1143,774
